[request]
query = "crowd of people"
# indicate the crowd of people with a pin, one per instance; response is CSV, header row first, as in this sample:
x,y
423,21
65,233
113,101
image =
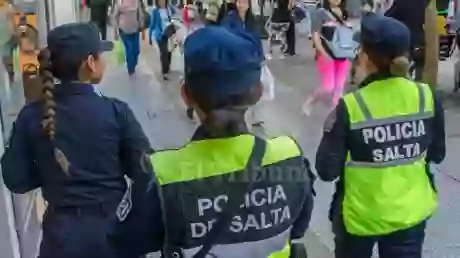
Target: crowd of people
x,y
227,193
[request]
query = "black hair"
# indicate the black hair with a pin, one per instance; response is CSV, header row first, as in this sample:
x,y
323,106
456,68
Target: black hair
x,y
342,6
224,9
157,3
224,115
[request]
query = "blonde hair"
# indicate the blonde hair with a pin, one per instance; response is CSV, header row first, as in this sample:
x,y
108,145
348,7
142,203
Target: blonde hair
x,y
399,66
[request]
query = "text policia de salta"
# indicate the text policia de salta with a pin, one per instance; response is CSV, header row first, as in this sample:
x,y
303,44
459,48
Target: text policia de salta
x,y
395,133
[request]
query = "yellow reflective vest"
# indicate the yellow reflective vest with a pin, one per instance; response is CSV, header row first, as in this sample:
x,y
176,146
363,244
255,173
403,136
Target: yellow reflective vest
x,y
194,181
386,183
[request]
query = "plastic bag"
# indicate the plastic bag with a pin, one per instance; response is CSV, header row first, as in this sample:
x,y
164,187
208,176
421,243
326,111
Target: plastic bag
x,y
119,52
268,83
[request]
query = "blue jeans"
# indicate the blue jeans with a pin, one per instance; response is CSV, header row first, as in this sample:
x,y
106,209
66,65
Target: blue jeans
x,y
132,49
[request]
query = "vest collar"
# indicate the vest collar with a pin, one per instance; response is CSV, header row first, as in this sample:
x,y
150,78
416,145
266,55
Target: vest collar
x,y
202,134
374,77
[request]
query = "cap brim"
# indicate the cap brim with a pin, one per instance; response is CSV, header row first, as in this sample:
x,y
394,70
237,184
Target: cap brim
x,y
105,45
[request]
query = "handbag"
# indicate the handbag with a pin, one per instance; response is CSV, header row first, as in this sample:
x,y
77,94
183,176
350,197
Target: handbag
x,y
236,196
170,30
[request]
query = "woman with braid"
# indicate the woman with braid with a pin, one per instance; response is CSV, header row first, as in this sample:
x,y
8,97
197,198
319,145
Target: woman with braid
x,y
76,145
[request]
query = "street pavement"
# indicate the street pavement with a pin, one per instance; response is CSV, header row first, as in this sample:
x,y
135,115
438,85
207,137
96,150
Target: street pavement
x,y
158,107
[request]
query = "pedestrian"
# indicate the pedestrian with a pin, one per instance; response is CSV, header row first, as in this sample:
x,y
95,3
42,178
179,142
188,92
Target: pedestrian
x,y
99,15
75,145
412,14
162,29
186,12
379,143
212,14
308,7
291,32
333,71
211,177
226,7
129,20
242,19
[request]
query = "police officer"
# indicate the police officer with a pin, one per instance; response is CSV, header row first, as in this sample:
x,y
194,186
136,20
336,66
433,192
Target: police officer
x,y
379,142
76,145
227,193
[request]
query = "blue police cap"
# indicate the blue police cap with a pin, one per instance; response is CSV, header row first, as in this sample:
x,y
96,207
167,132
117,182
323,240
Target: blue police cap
x,y
74,42
385,35
221,62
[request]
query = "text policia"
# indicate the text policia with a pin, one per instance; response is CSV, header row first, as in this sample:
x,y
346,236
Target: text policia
x,y
266,219
395,133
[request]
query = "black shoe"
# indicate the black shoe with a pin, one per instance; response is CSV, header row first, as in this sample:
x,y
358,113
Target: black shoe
x,y
165,77
190,113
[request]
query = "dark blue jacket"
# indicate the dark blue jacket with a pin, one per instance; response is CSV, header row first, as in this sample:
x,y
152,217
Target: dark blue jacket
x,y
412,14
333,149
233,22
143,229
100,137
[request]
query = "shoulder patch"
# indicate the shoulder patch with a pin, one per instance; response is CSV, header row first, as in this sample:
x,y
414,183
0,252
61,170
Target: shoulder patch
x,y
330,121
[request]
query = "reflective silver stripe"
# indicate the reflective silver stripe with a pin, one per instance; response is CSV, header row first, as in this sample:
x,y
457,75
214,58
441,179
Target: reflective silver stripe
x,y
387,164
362,106
371,122
257,249
391,120
421,94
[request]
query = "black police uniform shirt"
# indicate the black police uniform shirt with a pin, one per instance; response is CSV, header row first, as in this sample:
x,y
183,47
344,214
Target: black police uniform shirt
x,y
100,136
337,139
143,229
412,14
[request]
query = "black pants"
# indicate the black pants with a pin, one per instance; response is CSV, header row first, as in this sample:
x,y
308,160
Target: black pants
x,y
102,25
75,234
290,37
401,244
418,56
165,55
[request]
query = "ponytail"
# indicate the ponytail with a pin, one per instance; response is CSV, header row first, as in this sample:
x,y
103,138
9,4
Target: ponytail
x,y
225,122
49,105
399,66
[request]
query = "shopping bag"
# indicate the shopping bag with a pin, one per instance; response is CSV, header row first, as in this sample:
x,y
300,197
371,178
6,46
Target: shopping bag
x,y
118,52
268,83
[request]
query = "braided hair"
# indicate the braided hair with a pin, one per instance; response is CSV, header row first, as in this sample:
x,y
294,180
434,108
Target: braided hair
x,y
49,105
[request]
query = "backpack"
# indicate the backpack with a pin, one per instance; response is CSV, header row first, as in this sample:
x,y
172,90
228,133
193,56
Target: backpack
x,y
342,44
